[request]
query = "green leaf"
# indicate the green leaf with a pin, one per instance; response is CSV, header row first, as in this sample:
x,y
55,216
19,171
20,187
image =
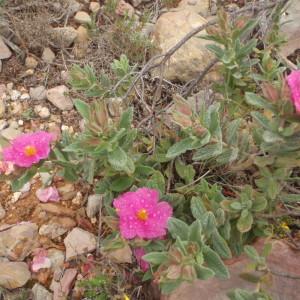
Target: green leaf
x,y
245,221
232,131
121,184
218,51
220,245
236,205
204,273
258,101
209,223
195,232
178,228
26,177
126,119
156,258
181,147
170,286
186,172
118,159
208,152
259,204
156,181
197,208
83,109
251,252
215,263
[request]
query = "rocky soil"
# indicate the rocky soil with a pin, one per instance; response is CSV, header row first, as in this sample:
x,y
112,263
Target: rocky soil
x,y
45,248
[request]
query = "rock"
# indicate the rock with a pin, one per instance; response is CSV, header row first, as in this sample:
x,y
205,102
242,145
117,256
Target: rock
x,y
16,197
67,191
57,258
48,56
81,43
78,242
2,212
14,95
52,231
282,260
41,293
25,97
82,17
17,241
56,209
122,255
42,111
10,133
290,28
65,75
197,6
63,36
192,57
93,205
62,288
136,3
4,50
2,107
17,294
25,188
59,97
16,108
13,274
124,9
38,93
73,7
30,62
94,7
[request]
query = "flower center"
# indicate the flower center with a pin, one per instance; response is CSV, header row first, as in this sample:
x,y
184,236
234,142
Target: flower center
x,y
30,151
142,215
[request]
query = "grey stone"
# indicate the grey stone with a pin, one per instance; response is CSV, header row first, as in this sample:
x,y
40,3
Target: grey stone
x,y
48,56
82,17
2,212
10,133
4,50
38,93
64,36
93,205
13,274
41,293
59,97
52,231
78,242
18,241
31,62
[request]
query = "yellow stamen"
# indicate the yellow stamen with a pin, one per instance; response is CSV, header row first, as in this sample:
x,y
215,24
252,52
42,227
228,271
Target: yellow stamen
x,y
142,215
30,151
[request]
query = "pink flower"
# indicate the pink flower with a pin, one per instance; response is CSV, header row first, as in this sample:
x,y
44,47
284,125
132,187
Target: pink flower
x,y
40,260
293,81
6,168
49,194
28,149
139,253
141,215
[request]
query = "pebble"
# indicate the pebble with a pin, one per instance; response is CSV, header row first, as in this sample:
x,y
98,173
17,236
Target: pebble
x,y
78,242
64,36
15,95
2,108
10,133
18,241
59,97
94,7
4,50
38,93
30,62
42,111
52,230
41,293
25,97
2,212
93,205
20,122
25,188
48,56
13,274
82,17
16,196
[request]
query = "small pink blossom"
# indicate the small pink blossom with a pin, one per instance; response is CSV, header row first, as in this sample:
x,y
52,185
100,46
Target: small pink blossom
x,y
293,81
49,194
6,168
28,149
142,215
139,253
40,260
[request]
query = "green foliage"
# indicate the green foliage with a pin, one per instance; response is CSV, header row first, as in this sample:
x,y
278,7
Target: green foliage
x,y
84,79
95,288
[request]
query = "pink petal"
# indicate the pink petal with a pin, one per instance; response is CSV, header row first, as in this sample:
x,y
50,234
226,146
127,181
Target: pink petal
x,y
139,253
293,81
49,194
40,261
